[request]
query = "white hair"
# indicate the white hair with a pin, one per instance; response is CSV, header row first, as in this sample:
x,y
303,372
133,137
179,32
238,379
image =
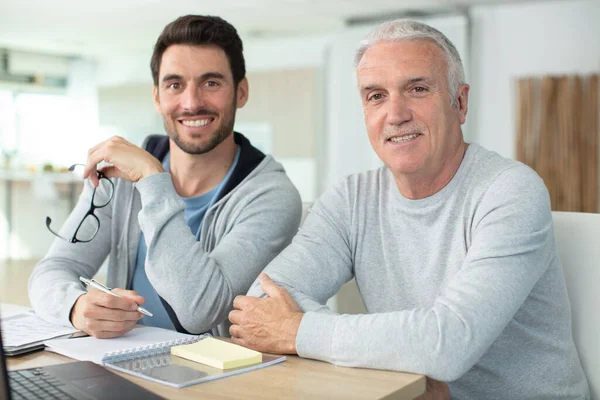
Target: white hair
x,y
398,30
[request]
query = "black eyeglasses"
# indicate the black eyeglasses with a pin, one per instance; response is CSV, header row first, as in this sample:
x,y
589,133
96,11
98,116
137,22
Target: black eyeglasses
x,y
90,224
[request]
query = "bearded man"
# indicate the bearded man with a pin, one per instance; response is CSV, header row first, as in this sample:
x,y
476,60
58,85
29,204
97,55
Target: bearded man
x,y
189,220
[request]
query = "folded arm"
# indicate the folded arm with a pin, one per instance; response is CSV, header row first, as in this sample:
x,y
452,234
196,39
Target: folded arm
x,y
199,284
319,260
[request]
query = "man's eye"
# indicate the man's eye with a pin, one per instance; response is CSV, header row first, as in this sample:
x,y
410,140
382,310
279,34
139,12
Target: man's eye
x,y
376,96
174,85
420,89
212,83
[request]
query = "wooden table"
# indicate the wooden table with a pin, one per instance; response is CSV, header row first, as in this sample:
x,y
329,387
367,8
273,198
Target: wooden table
x,y
296,378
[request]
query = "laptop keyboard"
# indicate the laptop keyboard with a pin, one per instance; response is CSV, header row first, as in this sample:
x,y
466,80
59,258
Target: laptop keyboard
x,y
35,384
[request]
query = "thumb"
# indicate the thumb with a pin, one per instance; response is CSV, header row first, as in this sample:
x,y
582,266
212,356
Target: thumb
x,y
268,286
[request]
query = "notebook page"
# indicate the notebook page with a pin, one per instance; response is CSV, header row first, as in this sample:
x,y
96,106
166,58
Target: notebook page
x,y
92,349
25,328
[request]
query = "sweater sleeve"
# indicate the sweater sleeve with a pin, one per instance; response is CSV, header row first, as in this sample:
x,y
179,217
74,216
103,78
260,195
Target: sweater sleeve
x,y
198,284
54,285
319,259
512,247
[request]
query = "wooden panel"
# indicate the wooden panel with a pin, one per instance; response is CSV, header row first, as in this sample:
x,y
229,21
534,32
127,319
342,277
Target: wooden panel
x,y
289,101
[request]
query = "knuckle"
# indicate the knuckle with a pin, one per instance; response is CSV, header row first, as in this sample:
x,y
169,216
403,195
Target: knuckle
x,y
86,311
112,301
91,325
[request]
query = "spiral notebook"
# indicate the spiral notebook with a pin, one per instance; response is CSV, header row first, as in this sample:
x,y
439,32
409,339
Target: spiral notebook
x,y
145,352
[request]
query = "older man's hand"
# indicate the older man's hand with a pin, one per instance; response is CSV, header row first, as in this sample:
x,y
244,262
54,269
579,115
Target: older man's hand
x,y
266,324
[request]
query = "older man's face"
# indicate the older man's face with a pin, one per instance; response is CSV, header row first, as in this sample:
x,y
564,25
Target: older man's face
x,y
407,107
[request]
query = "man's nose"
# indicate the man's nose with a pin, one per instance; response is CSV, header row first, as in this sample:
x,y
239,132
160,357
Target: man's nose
x,y
192,98
399,110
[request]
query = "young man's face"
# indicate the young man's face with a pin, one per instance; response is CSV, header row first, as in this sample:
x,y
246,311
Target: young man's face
x,y
407,107
196,96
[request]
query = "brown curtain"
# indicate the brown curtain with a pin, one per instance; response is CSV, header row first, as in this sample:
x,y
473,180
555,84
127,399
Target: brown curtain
x,y
557,135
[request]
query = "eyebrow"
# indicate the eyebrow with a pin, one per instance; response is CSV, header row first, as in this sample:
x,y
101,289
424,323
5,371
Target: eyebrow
x,y
418,79
171,77
209,75
205,76
411,81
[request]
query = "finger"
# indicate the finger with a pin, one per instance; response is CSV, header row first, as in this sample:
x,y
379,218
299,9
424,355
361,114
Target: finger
x,y
235,331
90,165
130,294
110,301
235,316
270,288
111,334
96,325
239,341
113,172
244,302
93,311
97,154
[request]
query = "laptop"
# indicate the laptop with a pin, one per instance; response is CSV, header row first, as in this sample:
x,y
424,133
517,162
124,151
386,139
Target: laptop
x,y
76,380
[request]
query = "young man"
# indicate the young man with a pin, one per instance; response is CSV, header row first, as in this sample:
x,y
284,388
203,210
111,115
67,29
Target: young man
x,y
451,245
194,216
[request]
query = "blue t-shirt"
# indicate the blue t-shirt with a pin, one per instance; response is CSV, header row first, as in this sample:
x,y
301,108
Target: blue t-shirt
x,y
195,208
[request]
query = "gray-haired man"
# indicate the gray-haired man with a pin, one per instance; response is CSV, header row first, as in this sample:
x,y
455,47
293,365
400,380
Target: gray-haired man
x,y
451,245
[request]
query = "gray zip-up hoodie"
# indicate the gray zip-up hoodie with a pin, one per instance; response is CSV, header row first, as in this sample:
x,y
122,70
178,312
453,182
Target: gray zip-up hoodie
x,y
255,218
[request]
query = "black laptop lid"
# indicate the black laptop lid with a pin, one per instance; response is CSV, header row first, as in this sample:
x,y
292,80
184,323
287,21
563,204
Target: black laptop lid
x,y
4,389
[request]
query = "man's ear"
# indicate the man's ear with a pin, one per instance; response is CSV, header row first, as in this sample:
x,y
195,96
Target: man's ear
x,y
242,93
463,101
156,99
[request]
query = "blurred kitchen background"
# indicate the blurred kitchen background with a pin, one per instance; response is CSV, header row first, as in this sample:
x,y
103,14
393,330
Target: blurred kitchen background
x,y
73,73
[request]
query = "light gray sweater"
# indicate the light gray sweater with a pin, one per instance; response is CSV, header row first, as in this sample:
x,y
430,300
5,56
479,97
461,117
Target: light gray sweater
x,y
199,279
464,286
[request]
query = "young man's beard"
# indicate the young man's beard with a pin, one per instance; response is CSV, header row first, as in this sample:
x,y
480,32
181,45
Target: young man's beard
x,y
222,132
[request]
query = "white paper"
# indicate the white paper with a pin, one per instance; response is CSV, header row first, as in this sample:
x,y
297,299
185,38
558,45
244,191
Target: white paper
x,y
27,328
93,349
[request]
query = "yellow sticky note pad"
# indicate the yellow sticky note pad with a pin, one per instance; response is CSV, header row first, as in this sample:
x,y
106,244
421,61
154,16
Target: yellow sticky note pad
x,y
217,353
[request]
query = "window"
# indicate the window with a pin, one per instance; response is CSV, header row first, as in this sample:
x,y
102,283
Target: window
x,y
41,128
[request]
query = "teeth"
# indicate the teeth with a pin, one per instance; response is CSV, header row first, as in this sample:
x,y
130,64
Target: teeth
x,y
404,138
197,123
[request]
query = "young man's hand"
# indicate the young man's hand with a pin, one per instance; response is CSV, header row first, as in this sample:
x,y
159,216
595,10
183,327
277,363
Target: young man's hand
x,y
128,161
103,315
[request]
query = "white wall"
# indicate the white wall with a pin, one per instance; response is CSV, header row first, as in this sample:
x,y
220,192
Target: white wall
x,y
260,55
512,41
508,41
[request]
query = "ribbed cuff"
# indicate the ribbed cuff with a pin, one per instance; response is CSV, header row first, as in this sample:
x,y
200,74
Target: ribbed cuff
x,y
156,186
315,335
69,303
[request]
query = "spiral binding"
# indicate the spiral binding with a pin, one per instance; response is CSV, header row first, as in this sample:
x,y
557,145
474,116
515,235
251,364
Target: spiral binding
x,y
148,350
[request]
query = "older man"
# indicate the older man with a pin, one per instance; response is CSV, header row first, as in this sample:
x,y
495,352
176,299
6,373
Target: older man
x,y
451,246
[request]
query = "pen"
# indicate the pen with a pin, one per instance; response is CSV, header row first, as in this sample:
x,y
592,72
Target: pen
x,y
97,285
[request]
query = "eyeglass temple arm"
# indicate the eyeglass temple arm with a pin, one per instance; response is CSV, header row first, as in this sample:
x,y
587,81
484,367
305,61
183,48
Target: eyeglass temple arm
x,y
48,222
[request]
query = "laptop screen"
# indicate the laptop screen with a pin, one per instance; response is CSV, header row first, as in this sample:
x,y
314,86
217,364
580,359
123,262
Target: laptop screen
x,y
4,389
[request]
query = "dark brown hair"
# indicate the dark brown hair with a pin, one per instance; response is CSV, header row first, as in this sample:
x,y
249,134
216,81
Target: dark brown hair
x,y
201,30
